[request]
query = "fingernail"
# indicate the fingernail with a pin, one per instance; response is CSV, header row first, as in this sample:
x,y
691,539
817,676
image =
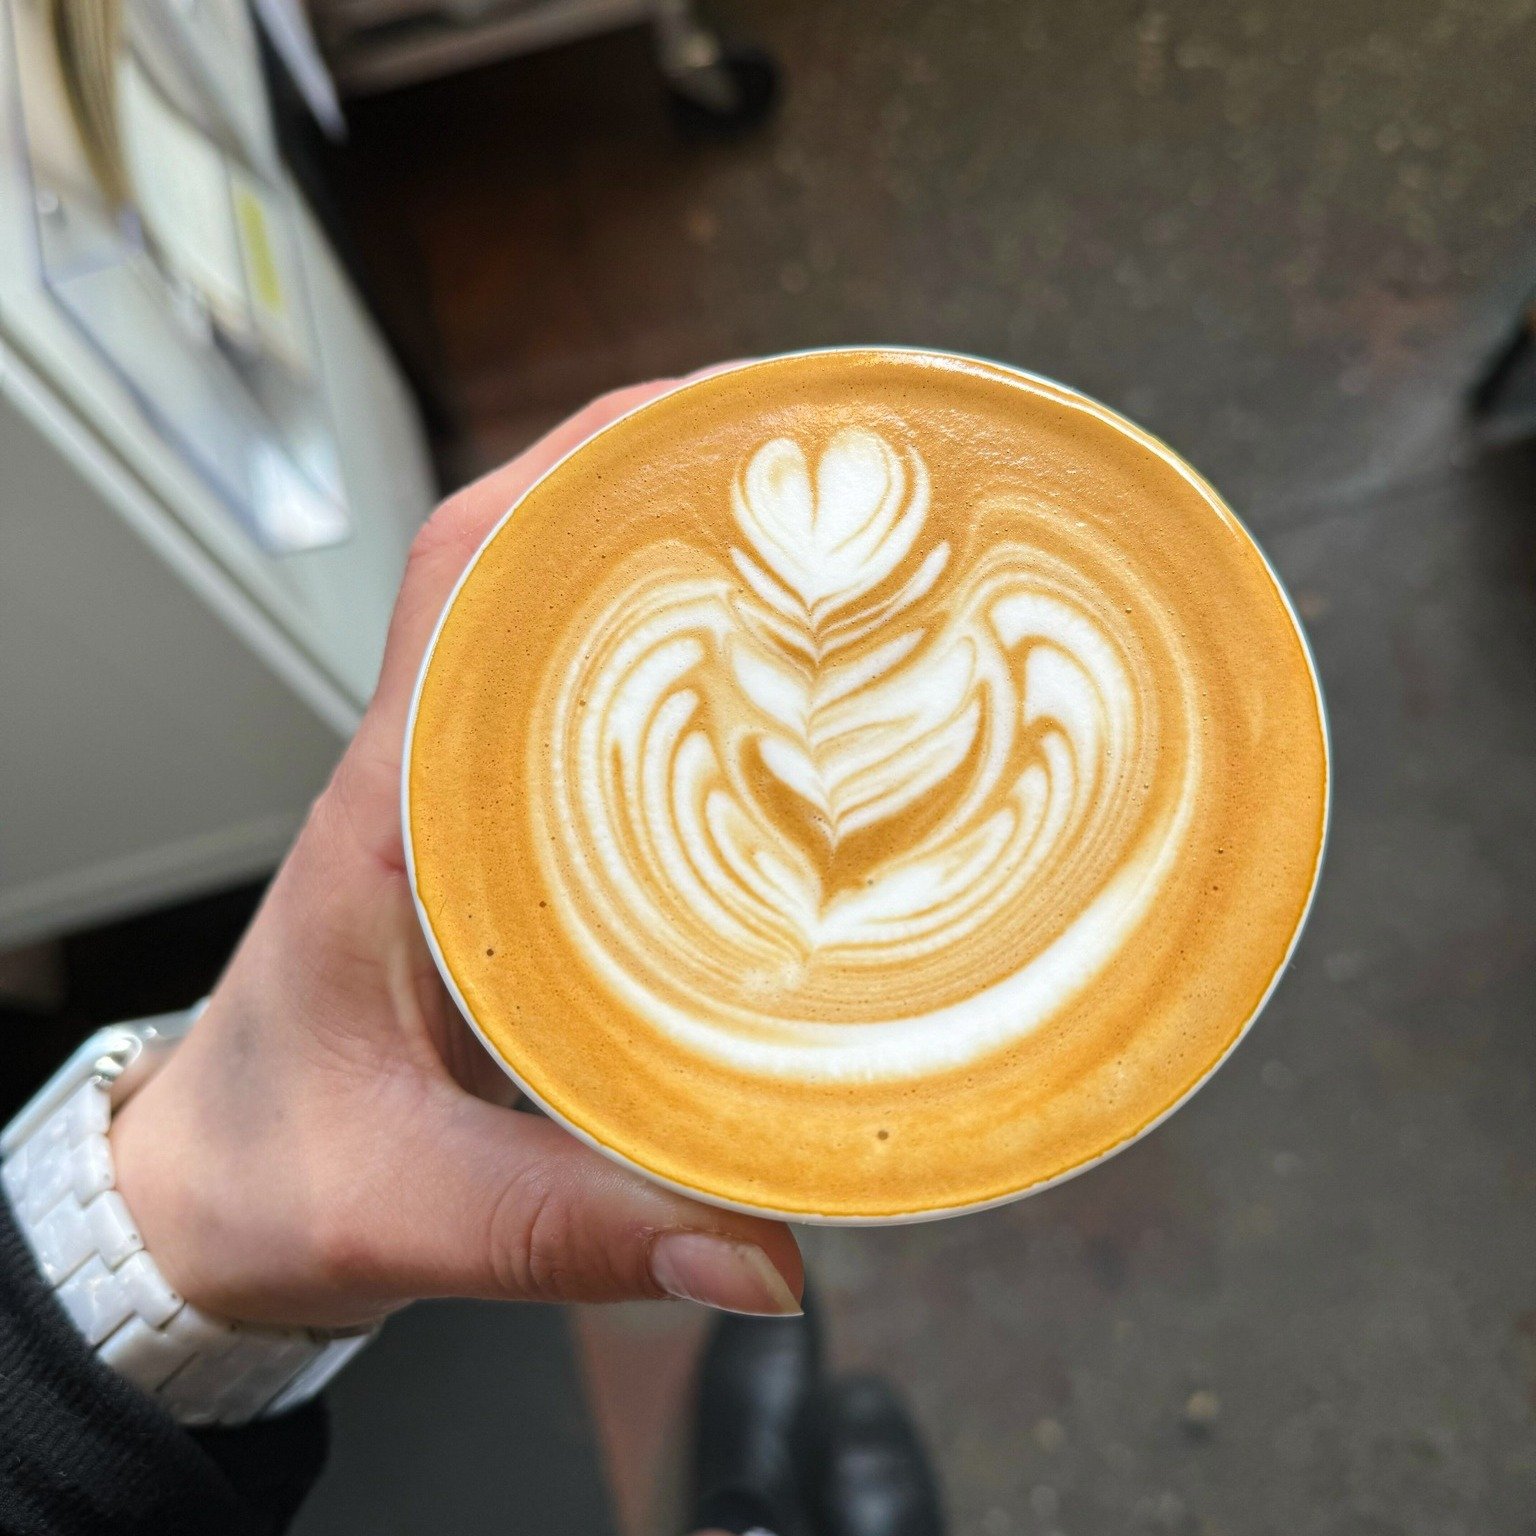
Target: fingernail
x,y
719,1272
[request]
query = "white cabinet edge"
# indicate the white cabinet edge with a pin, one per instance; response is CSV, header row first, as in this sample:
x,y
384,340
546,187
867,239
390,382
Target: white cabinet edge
x,y
178,549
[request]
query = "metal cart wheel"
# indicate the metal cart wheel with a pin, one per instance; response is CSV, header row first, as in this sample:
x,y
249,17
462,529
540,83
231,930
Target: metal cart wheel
x,y
715,87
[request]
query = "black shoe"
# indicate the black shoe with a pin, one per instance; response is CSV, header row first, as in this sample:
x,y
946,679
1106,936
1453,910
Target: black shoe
x,y
866,1473
756,1379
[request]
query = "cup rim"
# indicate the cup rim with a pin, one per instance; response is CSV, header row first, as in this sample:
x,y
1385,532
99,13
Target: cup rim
x,y
933,1213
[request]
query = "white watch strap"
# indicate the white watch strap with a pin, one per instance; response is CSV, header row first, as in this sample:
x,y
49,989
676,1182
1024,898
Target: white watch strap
x,y
59,1175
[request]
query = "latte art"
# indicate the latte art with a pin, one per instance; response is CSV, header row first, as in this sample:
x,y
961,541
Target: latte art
x,y
834,771
865,785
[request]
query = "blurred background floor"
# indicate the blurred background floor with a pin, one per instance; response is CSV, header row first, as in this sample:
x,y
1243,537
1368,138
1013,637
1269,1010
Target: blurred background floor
x,y
1284,238
1280,236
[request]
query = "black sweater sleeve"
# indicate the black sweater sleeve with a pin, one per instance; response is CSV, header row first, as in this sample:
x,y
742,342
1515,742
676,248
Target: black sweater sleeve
x,y
85,1453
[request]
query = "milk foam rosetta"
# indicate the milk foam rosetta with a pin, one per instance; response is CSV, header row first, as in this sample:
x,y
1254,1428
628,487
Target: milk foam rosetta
x,y
866,784
837,767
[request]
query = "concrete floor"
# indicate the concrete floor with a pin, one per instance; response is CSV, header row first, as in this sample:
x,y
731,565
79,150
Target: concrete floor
x,y
1283,237
1278,235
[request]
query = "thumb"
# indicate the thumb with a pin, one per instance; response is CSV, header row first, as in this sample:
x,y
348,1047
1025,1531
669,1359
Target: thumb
x,y
504,1205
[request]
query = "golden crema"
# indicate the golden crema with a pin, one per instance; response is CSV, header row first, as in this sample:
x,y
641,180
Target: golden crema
x,y
866,783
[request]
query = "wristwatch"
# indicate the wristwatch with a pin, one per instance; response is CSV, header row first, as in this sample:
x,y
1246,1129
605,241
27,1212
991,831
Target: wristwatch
x,y
56,1166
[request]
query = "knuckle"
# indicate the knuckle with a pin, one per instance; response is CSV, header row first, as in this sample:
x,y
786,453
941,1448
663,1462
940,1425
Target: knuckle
x,y
344,821
532,1240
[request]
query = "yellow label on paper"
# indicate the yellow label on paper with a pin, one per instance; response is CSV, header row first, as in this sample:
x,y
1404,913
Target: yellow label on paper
x,y
261,259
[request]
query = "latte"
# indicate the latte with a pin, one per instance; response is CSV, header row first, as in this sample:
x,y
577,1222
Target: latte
x,y
865,784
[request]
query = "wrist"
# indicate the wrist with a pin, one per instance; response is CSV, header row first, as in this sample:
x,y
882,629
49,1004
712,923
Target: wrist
x,y
164,1175
60,1174
226,1196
